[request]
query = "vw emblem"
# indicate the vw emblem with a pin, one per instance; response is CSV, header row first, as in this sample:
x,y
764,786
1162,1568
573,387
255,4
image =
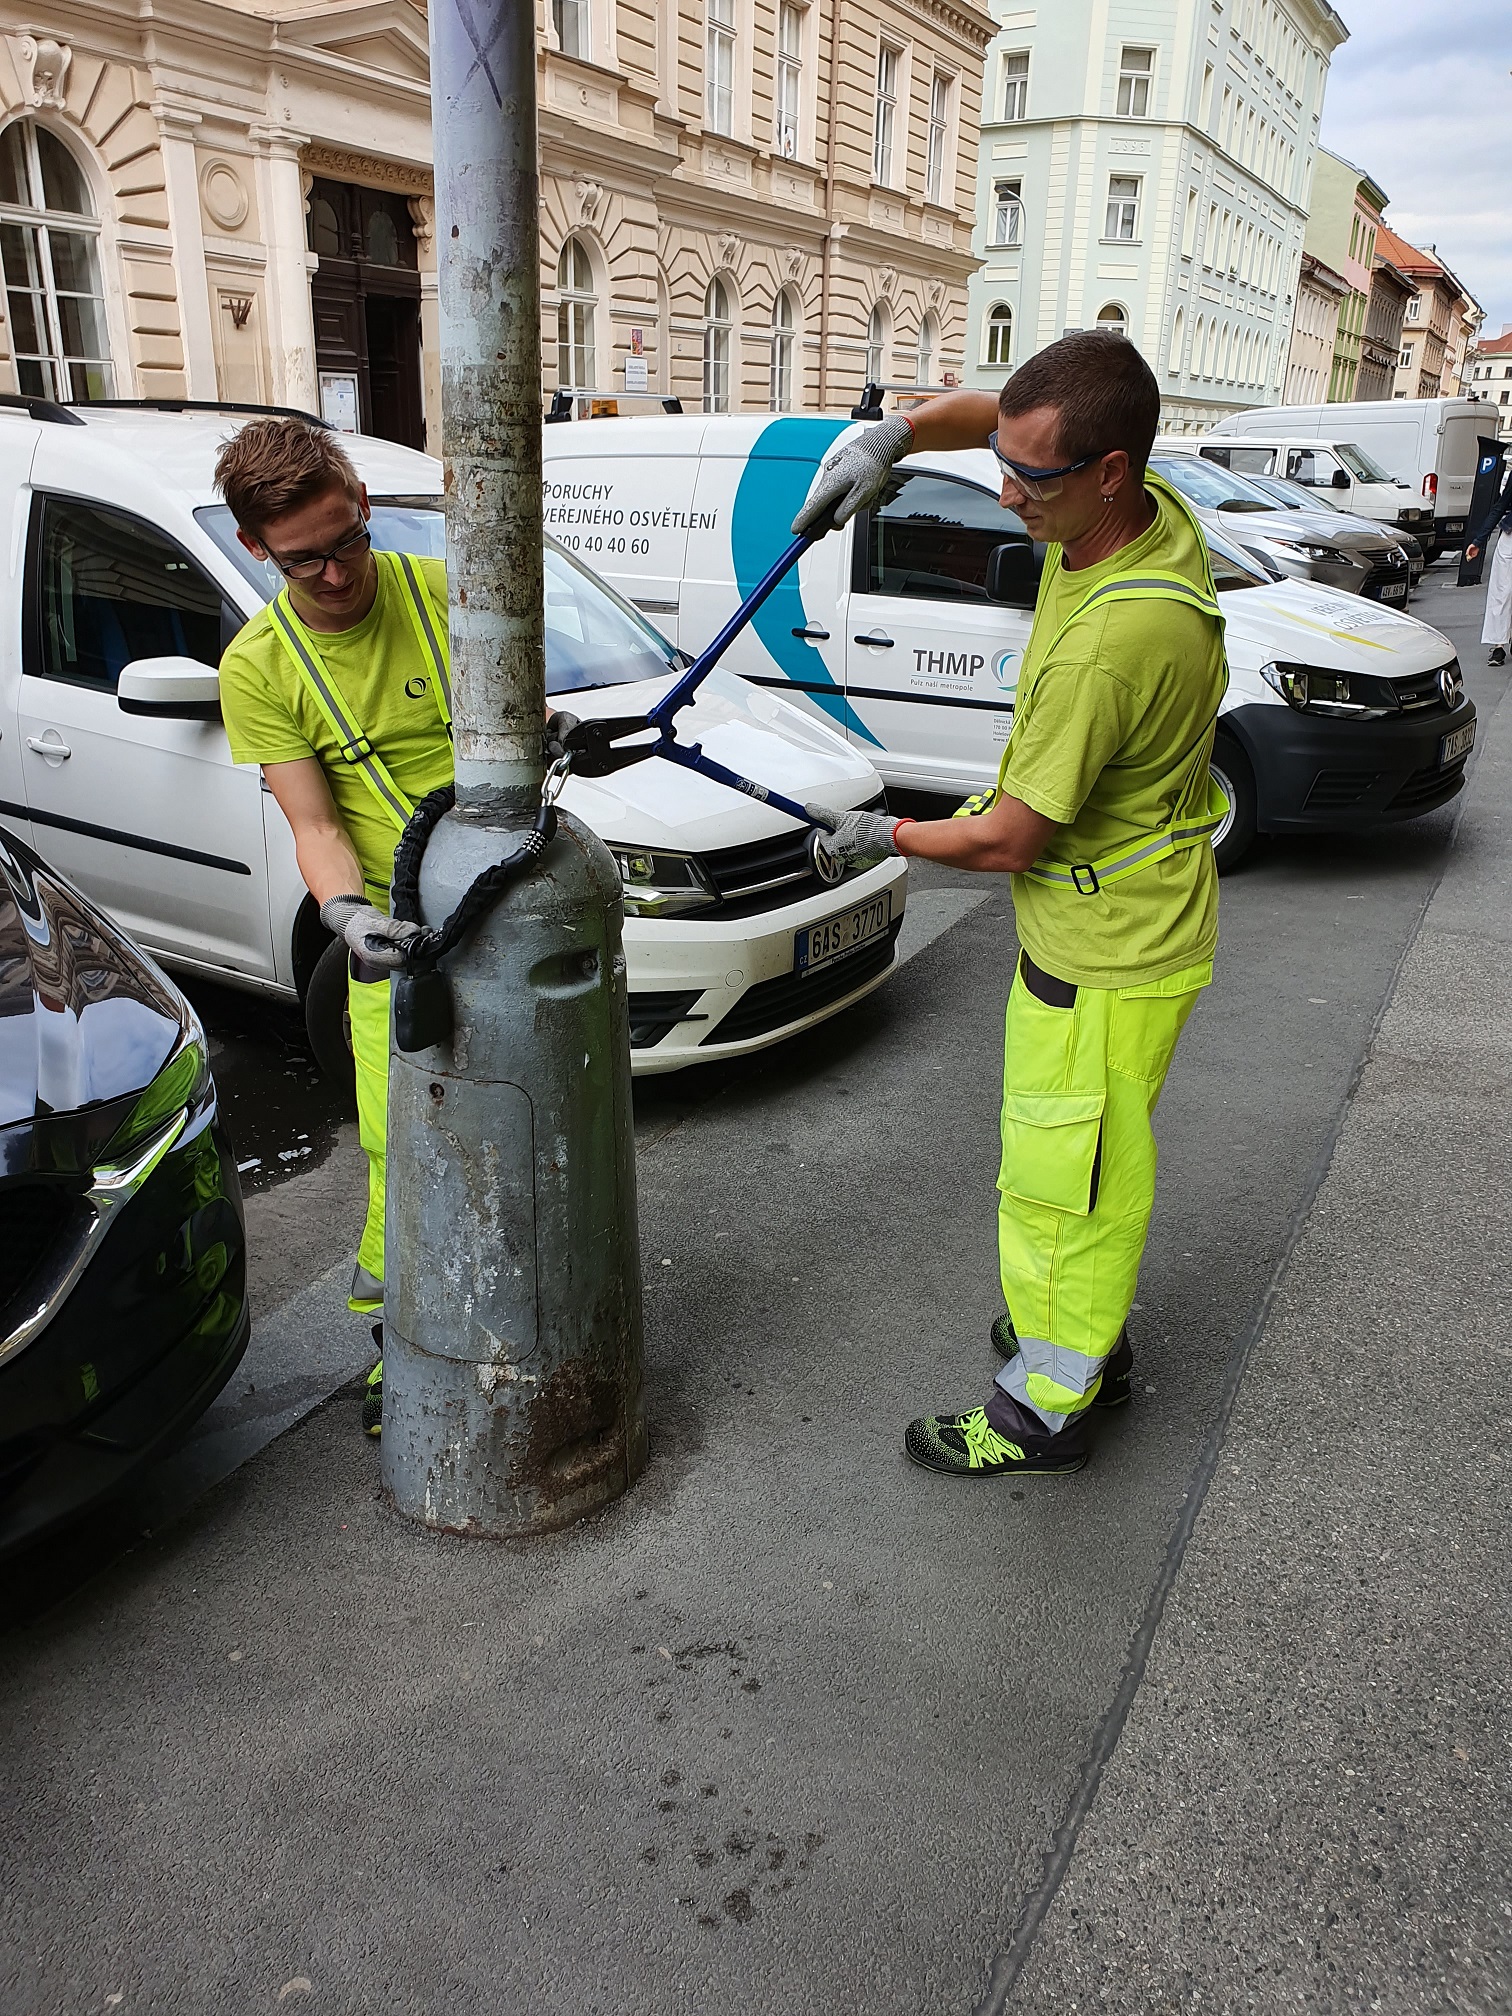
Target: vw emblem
x,y
1452,684
825,866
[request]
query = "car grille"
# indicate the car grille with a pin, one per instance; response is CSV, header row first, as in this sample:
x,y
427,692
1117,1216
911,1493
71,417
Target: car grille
x,y
1333,790
1429,787
34,1218
766,874
653,1016
791,996
1422,693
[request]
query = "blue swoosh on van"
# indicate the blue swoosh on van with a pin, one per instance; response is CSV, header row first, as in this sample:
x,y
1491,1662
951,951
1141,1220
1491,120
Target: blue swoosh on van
x,y
774,483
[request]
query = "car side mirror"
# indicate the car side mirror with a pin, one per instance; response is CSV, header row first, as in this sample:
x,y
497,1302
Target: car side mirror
x,y
1013,574
173,689
1341,479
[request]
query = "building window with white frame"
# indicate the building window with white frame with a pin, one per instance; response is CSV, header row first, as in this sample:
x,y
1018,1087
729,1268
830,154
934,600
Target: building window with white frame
x,y
789,77
929,343
876,345
50,253
577,366
1007,214
885,128
784,324
1114,317
998,348
939,129
1122,221
719,66
571,20
1136,68
718,321
1016,84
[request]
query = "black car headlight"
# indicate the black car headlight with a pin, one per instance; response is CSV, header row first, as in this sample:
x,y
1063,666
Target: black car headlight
x,y
659,884
1309,551
1312,690
178,1087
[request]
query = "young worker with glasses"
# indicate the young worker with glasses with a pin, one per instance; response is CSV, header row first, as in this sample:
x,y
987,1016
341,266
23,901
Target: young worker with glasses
x,y
340,689
1103,814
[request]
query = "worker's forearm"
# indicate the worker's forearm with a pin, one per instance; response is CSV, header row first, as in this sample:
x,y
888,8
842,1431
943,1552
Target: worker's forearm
x,y
955,420
328,862
969,843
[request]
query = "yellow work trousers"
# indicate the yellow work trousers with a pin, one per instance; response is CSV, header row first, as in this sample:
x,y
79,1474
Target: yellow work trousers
x,y
1077,1178
368,1000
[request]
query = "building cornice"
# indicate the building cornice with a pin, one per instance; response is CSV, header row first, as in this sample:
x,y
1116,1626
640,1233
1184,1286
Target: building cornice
x,y
972,26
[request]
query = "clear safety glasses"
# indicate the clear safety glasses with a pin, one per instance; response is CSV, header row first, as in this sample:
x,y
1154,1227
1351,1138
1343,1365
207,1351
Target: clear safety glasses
x,y
349,552
1040,484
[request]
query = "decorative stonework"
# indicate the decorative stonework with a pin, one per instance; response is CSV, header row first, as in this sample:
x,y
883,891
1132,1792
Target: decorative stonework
x,y
793,263
42,64
729,249
422,210
367,169
887,280
590,196
224,195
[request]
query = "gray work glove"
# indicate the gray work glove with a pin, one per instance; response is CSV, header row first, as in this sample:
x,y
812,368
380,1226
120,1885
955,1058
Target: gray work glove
x,y
380,940
854,839
853,477
559,726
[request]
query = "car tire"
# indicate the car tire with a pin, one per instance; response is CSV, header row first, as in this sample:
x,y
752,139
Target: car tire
x,y
328,1022
1235,837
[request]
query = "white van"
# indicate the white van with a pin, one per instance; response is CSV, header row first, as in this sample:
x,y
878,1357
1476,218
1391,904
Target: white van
x,y
1339,713
1427,447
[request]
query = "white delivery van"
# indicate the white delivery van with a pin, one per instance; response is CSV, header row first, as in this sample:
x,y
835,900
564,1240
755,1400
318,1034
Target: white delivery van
x,y
1426,446
1339,713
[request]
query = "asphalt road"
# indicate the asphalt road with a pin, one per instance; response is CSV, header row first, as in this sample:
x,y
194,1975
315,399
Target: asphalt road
x,y
793,1726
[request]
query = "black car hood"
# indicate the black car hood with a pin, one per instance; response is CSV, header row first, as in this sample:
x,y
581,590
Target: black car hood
x,y
85,1020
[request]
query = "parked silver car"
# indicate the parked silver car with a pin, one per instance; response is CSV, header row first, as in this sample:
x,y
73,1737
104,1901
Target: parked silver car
x,y
1297,497
1309,545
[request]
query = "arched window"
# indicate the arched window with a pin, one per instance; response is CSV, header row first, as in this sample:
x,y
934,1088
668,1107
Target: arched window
x,y
784,322
1113,316
1199,336
716,347
929,340
999,347
1178,332
50,250
876,345
577,355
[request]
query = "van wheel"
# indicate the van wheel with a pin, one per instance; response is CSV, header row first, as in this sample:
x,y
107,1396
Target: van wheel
x,y
1231,768
328,1022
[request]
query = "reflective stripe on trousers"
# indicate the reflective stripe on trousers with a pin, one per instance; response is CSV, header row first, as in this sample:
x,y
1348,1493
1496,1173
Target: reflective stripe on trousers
x,y
368,1000
1077,1177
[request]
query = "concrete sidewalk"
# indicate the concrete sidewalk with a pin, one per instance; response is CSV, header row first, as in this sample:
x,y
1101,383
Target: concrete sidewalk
x,y
795,1726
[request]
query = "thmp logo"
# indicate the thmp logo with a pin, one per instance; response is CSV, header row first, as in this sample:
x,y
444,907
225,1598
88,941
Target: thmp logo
x,y
1005,669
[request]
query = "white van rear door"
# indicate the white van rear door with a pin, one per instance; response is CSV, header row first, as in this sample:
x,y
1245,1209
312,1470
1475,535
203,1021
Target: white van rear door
x,y
932,665
618,494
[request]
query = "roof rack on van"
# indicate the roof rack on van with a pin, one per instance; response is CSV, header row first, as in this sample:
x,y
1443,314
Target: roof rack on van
x,y
39,409
203,406
869,405
600,406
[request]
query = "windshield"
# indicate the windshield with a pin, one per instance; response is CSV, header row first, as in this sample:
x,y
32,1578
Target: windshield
x,y
1232,568
1358,463
593,637
1294,496
1205,483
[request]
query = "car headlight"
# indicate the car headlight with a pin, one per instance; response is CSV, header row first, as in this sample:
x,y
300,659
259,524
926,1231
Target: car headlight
x,y
178,1087
1312,691
1310,552
657,884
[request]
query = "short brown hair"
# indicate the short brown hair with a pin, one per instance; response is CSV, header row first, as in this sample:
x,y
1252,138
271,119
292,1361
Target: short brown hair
x,y
273,466
1103,392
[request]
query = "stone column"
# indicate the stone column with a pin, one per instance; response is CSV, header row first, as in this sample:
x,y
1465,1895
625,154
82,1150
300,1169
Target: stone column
x,y
291,325
422,210
177,126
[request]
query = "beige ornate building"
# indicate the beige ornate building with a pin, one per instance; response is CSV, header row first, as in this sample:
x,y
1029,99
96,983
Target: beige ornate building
x,y
745,203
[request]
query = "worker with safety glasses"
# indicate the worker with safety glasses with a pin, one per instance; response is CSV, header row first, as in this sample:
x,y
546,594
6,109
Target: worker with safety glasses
x,y
1103,814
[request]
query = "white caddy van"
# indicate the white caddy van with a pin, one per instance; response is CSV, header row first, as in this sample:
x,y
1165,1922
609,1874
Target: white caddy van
x,y
1426,447
122,584
1339,714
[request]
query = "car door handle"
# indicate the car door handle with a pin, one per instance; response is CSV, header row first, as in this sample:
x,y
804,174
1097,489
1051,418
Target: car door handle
x,y
813,633
57,747
882,643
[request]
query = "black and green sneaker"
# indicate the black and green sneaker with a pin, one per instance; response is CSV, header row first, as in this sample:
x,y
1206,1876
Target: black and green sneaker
x,y
967,1445
1114,1390
372,1399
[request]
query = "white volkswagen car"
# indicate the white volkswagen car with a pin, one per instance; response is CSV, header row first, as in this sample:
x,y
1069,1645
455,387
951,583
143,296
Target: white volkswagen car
x,y
119,551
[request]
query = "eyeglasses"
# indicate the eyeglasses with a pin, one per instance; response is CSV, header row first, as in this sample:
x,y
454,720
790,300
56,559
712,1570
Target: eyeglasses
x,y
1040,484
351,548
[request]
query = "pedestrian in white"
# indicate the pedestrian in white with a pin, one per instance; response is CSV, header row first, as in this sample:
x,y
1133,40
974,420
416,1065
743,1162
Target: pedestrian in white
x,y
1497,628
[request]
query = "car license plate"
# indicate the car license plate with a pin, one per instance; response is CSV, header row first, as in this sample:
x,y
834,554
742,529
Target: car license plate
x,y
1393,591
1459,743
819,944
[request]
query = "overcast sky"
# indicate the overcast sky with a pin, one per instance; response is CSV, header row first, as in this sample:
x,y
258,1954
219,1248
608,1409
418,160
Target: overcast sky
x,y
1420,96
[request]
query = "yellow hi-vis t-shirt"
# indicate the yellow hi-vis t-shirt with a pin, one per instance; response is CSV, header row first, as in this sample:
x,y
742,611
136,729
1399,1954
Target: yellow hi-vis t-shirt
x,y
1104,738
384,678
